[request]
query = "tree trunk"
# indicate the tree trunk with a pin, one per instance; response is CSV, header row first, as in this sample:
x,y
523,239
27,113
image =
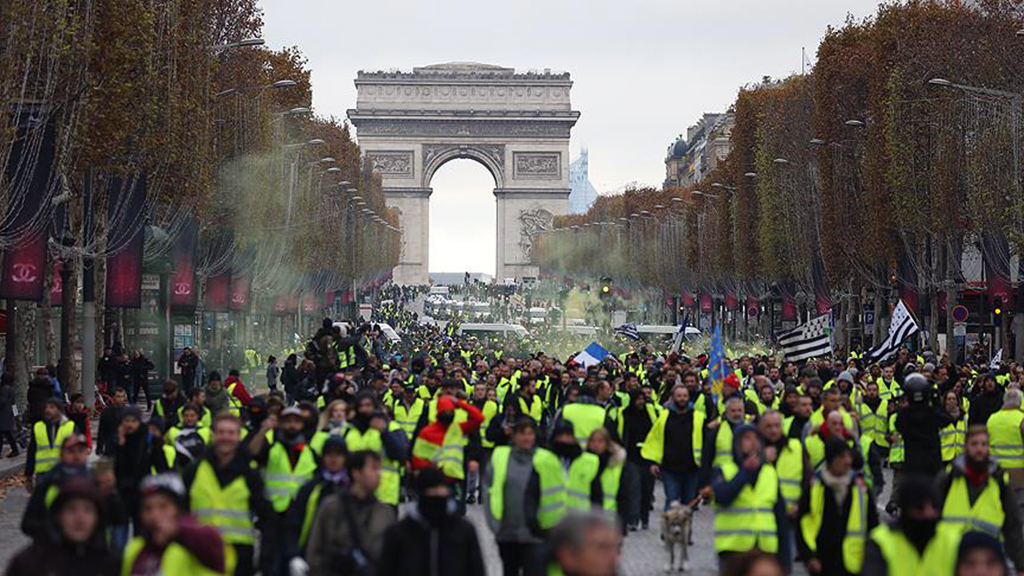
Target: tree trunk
x,y
46,312
68,304
27,325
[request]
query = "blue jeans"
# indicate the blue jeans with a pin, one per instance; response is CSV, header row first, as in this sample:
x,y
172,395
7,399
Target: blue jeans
x,y
681,487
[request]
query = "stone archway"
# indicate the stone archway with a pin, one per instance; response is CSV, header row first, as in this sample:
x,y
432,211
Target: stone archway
x,y
516,124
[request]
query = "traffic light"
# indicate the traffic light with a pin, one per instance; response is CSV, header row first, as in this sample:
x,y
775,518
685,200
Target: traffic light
x,y
997,307
606,287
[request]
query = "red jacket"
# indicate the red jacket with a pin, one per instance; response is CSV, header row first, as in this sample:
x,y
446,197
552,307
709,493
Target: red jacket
x,y
435,433
239,392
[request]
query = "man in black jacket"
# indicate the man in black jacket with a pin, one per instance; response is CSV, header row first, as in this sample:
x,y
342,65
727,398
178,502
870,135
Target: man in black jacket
x,y
919,425
431,539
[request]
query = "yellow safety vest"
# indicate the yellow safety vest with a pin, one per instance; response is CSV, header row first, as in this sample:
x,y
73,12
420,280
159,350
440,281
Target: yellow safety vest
x,y
790,468
448,456
177,560
896,452
408,418
903,559
611,477
534,410
875,424
856,525
585,418
283,481
952,438
223,507
581,474
489,410
749,522
723,444
48,453
169,454
985,515
1004,434
653,447
234,404
390,477
551,508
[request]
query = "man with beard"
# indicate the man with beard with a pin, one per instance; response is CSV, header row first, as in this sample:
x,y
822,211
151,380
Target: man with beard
x,y
371,430
974,496
674,446
732,418
286,458
915,543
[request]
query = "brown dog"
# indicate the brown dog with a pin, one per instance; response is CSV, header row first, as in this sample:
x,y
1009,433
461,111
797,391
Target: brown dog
x,y
675,531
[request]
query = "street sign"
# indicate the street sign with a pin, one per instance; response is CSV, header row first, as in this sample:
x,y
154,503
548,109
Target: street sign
x,y
960,313
869,318
959,329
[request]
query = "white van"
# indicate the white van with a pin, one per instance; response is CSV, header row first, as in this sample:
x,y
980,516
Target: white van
x,y
492,328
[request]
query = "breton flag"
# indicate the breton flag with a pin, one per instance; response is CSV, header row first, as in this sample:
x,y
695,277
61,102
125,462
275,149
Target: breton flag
x,y
903,326
629,331
808,340
997,361
594,354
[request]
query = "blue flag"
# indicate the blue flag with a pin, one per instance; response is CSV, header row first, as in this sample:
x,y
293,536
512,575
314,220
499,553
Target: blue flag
x,y
717,370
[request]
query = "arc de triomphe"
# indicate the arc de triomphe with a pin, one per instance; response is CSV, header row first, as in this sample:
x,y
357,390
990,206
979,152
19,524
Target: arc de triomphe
x,y
515,124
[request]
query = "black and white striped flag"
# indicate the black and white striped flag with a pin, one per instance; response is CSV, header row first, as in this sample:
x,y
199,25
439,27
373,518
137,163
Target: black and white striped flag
x,y
808,340
901,327
629,331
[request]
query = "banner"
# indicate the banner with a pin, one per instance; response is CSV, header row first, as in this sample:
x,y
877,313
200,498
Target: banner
x,y
706,303
240,286
688,300
788,309
731,302
127,236
218,292
183,281
23,270
310,305
753,307
30,178
57,285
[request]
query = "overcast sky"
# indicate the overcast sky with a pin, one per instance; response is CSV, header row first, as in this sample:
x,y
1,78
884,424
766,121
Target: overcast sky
x,y
643,70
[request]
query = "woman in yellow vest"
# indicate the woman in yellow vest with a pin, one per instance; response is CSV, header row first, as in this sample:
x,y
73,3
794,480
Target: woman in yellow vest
x,y
952,437
185,547
611,461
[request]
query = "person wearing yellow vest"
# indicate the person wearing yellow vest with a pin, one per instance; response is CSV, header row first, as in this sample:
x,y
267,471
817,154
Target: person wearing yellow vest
x,y
441,444
873,417
582,469
371,430
788,458
831,401
584,413
836,514
47,436
974,495
331,479
286,459
238,395
526,397
198,399
916,543
611,462
524,497
226,492
188,439
732,417
747,499
171,538
952,437
167,406
74,456
674,446
73,540
409,411
478,447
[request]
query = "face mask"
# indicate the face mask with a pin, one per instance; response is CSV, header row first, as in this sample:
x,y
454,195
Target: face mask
x,y
433,508
289,437
919,531
566,450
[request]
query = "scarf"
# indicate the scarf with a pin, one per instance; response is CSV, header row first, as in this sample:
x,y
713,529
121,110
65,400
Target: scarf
x,y
839,485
